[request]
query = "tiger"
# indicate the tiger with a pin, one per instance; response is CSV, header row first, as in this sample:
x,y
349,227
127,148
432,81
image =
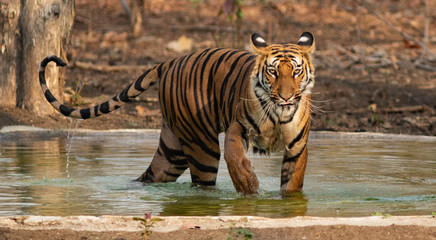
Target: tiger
x,y
260,99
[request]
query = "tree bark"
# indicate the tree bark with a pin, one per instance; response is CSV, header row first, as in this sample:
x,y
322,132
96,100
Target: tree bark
x,y
43,28
136,10
8,53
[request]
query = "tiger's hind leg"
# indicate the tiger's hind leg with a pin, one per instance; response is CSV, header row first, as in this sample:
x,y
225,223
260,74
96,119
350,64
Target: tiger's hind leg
x,y
169,161
203,159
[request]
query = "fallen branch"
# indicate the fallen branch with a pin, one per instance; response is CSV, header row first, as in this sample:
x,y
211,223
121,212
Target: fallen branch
x,y
425,67
109,68
390,110
406,109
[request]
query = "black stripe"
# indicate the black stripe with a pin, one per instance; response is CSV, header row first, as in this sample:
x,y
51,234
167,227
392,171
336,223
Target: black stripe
x,y
180,71
294,158
149,175
66,111
219,61
96,111
285,176
195,140
210,151
262,102
239,80
251,120
231,96
244,130
209,91
184,104
203,108
227,77
170,64
177,90
85,113
195,180
138,82
284,51
290,119
45,61
159,70
176,175
182,167
201,167
175,82
124,97
298,138
104,107
50,98
59,62
168,151
162,97
233,52
42,78
273,117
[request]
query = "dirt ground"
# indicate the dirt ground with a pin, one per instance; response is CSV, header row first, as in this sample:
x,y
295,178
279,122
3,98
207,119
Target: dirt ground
x,y
116,227
369,77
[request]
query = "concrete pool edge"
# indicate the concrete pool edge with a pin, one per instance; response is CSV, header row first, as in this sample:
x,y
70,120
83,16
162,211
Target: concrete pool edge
x,y
174,223
16,129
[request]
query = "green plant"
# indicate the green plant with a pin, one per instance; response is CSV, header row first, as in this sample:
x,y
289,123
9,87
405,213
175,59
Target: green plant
x,y
76,97
233,8
240,232
379,214
147,221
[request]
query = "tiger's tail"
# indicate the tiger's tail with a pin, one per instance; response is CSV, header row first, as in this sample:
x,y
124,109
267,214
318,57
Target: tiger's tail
x,y
147,79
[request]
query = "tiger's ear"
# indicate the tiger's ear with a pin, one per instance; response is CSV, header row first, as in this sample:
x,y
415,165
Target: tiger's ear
x,y
258,43
307,42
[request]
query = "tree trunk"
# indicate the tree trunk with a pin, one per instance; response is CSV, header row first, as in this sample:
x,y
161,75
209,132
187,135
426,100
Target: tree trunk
x,y
8,53
136,8
42,28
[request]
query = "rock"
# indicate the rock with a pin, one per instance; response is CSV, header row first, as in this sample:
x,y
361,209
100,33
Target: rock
x,y
189,226
183,44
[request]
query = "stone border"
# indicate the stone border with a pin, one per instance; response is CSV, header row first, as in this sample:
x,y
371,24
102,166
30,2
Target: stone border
x,y
10,130
168,224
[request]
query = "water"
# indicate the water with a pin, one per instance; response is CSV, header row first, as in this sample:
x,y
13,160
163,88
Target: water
x,y
347,175
71,132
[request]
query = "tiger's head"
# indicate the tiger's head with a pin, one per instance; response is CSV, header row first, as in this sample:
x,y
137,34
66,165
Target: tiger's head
x,y
283,73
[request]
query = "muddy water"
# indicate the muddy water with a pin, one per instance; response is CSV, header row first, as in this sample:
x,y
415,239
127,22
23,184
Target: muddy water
x,y
347,175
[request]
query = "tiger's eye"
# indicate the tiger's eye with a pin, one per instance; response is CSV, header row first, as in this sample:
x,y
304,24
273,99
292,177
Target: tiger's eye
x,y
297,71
272,72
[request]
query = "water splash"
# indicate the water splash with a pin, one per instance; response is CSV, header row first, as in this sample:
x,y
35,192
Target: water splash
x,y
70,143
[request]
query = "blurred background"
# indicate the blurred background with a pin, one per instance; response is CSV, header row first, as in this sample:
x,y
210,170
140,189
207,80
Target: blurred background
x,y
375,60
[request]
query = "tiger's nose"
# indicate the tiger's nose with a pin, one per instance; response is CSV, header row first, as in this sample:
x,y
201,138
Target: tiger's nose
x,y
286,97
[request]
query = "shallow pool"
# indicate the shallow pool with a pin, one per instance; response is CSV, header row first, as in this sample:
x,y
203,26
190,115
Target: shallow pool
x,y
348,174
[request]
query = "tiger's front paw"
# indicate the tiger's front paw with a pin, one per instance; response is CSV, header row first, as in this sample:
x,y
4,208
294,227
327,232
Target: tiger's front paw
x,y
243,177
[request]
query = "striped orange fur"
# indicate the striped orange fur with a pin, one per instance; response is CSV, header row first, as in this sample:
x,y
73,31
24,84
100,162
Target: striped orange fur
x,y
260,99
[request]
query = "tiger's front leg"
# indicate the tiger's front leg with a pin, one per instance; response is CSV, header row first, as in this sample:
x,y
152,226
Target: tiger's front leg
x,y
293,169
294,163
239,166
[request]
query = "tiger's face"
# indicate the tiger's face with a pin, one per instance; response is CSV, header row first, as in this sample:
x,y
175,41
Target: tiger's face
x,y
284,74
